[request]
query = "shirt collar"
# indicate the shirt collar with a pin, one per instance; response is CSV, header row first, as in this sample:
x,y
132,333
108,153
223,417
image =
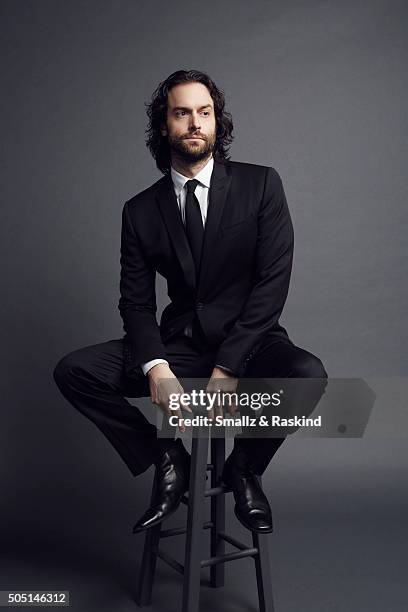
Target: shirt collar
x,y
204,177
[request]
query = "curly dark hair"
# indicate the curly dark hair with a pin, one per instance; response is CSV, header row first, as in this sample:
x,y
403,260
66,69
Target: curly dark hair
x,y
157,113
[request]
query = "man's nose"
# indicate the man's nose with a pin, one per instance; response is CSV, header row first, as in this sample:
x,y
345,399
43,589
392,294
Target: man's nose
x,y
195,121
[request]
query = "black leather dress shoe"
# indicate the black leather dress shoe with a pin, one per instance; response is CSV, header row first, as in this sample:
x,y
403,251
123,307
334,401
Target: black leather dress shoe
x,y
172,478
251,505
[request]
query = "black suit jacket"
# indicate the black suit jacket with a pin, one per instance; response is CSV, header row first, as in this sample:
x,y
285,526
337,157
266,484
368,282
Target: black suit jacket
x,y
245,267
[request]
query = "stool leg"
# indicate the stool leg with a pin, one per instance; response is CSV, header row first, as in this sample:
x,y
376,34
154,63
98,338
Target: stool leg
x,y
263,572
195,519
217,572
149,558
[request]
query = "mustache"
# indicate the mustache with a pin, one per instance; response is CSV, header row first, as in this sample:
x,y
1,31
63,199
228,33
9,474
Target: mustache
x,y
193,136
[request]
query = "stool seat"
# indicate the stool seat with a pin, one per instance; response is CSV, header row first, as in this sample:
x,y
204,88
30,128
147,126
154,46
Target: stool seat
x,y
194,500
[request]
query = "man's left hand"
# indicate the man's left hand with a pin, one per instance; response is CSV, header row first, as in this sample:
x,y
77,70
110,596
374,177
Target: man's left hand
x,y
223,382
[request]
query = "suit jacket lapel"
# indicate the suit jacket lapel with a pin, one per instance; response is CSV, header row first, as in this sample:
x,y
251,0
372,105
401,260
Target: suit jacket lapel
x,y
172,218
220,182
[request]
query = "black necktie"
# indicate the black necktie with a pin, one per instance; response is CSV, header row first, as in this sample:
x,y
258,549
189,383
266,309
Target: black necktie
x,y
194,223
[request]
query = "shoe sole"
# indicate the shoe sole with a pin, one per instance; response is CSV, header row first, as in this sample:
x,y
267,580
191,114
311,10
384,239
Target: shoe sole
x,y
164,518
259,531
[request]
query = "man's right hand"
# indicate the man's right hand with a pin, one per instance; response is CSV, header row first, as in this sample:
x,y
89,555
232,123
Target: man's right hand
x,y
163,383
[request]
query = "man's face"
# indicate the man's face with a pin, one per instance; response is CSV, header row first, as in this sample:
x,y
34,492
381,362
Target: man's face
x,y
191,126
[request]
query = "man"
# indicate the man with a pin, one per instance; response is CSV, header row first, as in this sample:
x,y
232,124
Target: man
x,y
221,234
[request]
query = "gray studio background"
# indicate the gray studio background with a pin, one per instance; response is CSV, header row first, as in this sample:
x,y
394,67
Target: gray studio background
x,y
317,90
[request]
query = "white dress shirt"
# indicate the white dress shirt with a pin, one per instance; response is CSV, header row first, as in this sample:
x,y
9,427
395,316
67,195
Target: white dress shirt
x,y
201,192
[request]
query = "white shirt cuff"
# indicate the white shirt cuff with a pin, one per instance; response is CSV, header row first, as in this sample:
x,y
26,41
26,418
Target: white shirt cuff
x,y
149,364
226,369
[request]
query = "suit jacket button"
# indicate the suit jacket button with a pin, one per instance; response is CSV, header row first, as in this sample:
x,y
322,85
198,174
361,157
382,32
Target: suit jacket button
x,y
199,305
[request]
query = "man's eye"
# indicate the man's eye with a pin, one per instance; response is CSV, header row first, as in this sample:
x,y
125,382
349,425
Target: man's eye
x,y
180,113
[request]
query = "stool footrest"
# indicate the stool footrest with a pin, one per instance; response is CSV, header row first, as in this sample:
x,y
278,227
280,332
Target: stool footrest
x,y
216,491
240,554
166,533
211,492
247,552
244,551
170,561
232,541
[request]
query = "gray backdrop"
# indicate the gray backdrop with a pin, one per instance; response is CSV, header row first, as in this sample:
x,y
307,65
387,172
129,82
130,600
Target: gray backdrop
x,y
317,90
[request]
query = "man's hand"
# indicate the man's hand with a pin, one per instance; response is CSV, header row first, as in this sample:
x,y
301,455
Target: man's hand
x,y
163,383
223,382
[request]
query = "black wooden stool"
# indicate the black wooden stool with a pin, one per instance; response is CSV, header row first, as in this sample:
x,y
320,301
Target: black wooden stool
x,y
195,523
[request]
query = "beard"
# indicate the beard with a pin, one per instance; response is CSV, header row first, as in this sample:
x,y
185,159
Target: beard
x,y
191,152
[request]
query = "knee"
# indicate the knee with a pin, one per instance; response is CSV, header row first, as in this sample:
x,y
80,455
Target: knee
x,y
307,365
65,371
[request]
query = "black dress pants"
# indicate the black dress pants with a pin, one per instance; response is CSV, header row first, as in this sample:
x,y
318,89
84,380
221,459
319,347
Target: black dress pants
x,y
93,380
